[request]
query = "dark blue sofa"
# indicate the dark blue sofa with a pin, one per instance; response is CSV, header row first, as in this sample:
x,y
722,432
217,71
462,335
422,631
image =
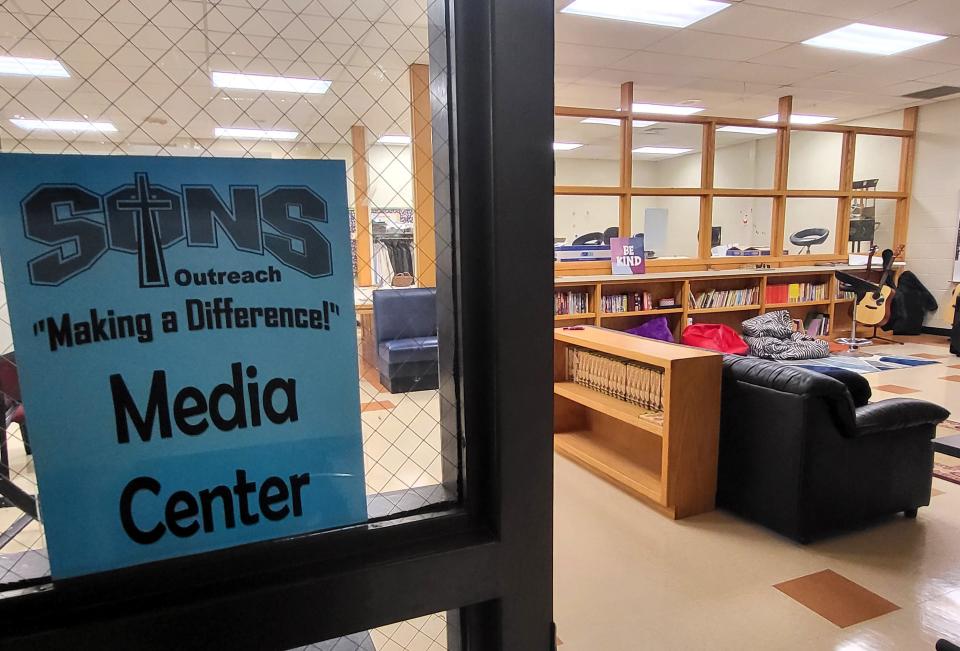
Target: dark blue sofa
x,y
405,325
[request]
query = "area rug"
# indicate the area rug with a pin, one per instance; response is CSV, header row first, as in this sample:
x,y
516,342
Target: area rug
x,y
947,473
862,365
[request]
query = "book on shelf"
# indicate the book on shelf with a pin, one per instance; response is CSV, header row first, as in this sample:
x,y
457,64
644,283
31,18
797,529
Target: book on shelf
x,y
795,292
715,298
628,302
570,303
626,380
819,326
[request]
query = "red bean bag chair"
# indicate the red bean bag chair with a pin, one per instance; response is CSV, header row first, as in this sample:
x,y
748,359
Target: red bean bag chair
x,y
715,336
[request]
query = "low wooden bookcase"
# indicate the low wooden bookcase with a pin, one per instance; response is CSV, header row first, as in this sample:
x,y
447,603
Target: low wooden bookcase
x,y
666,455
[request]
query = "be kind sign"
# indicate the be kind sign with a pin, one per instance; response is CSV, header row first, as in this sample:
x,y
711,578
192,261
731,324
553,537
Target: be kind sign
x,y
185,337
627,255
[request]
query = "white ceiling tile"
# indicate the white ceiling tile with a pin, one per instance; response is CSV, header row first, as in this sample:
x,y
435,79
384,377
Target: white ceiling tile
x,y
258,25
852,9
612,33
150,37
591,96
840,81
31,47
892,69
812,58
815,94
54,28
13,25
77,9
564,74
747,107
658,63
932,16
125,12
947,78
763,74
905,87
177,15
775,24
193,10
719,46
587,55
946,51
729,87
641,80
105,37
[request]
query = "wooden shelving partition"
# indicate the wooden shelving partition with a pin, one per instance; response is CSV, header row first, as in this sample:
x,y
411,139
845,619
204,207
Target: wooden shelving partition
x,y
678,286
667,458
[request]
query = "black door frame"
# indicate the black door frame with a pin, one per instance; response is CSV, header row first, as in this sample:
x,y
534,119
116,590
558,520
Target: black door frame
x,y
488,560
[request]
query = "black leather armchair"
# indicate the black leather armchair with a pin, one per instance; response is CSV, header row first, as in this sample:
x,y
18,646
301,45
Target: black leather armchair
x,y
798,457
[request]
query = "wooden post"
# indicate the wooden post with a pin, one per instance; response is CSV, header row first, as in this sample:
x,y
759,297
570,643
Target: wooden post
x,y
361,204
707,163
424,232
908,148
626,161
847,156
784,111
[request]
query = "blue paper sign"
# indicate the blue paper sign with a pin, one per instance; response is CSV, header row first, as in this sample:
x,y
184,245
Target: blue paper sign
x,y
186,342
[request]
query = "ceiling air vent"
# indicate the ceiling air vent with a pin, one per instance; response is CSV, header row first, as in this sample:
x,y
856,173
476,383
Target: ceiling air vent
x,y
934,93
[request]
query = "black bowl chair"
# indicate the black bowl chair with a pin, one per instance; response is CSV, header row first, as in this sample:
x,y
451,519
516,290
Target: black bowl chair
x,y
595,238
809,237
613,231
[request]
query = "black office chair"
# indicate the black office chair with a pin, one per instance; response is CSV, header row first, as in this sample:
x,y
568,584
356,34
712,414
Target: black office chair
x,y
595,238
810,237
613,231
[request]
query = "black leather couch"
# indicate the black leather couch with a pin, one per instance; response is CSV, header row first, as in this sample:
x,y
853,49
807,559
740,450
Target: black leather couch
x,y
798,456
405,325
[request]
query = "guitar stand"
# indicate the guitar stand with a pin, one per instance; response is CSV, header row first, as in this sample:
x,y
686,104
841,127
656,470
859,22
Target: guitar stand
x,y
876,337
854,343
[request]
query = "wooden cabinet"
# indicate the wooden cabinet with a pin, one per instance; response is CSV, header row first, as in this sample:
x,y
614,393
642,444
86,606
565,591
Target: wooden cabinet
x,y
663,450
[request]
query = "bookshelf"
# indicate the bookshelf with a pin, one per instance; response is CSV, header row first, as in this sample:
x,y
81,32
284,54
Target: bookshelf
x,y
821,295
621,409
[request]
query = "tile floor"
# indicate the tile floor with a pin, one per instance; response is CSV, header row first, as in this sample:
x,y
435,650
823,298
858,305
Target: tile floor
x,y
629,579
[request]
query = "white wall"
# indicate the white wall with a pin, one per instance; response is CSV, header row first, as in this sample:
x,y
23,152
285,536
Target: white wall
x,y
578,215
389,174
934,209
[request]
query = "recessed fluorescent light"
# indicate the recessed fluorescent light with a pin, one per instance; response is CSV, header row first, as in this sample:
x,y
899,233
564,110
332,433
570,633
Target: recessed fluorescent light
x,y
670,151
394,140
671,13
637,124
269,83
798,118
666,109
566,146
755,130
63,125
255,134
872,39
32,67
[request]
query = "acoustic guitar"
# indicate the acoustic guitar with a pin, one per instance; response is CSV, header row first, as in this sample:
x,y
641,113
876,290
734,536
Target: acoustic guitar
x,y
874,308
952,308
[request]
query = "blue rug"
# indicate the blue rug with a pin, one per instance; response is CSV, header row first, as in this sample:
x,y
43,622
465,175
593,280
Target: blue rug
x,y
861,365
